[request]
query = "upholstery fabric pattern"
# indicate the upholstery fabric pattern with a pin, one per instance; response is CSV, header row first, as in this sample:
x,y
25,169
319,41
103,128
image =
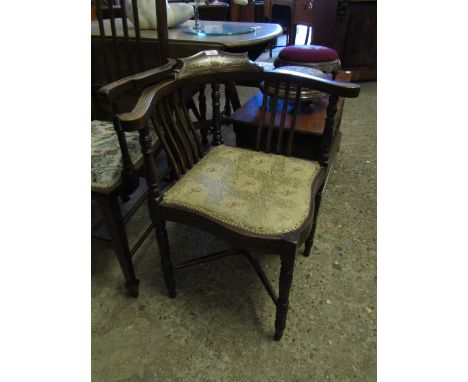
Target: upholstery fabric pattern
x,y
106,157
259,192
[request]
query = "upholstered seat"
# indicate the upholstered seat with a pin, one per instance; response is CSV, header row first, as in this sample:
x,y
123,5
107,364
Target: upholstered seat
x,y
258,192
315,56
106,156
311,53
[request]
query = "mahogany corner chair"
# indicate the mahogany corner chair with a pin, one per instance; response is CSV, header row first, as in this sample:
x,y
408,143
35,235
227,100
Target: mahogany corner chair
x,y
259,200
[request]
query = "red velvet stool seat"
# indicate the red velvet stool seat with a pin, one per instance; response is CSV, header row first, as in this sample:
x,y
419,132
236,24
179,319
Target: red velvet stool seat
x,y
314,56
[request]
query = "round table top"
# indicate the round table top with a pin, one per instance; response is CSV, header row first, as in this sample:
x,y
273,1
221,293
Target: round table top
x,y
262,32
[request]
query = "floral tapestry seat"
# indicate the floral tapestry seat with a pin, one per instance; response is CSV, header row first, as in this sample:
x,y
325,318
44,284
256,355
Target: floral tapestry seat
x,y
259,192
106,157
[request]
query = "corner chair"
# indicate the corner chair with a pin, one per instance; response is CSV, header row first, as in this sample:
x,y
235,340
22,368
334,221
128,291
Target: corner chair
x,y
260,200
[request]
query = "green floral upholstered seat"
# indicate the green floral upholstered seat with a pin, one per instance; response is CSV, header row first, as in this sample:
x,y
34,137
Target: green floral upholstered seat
x,y
106,157
259,192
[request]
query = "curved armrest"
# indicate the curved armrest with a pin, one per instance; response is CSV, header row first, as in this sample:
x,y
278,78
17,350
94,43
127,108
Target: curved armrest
x,y
140,114
140,80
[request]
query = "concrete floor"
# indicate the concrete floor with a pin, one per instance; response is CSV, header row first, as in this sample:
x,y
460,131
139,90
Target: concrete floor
x,y
220,326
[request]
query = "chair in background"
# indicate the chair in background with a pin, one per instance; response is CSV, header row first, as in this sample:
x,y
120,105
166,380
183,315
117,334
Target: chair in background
x,y
116,161
120,52
116,168
259,200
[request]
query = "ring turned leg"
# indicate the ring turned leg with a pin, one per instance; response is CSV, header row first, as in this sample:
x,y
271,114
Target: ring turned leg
x,y
113,218
285,282
310,239
168,272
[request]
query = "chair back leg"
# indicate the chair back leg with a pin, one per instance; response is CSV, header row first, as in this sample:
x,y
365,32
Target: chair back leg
x,y
112,215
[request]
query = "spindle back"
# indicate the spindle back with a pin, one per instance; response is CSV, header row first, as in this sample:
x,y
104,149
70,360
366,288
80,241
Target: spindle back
x,y
119,51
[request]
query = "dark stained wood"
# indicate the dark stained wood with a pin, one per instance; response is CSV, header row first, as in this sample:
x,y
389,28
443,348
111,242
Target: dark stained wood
x,y
112,216
114,40
327,136
127,40
115,90
310,239
136,24
202,105
284,113
185,121
262,118
102,38
129,175
285,283
163,36
215,95
272,117
294,120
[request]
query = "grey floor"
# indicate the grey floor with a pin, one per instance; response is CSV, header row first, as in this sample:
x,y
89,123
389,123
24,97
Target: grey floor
x,y
220,326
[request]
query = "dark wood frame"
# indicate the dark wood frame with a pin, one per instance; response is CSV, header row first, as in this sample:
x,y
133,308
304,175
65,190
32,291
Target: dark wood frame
x,y
160,103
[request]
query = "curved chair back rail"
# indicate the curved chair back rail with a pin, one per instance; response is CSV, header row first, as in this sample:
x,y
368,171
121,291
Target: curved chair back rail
x,y
212,71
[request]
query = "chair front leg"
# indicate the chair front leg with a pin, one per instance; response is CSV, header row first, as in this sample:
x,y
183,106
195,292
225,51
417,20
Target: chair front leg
x,y
285,282
114,223
310,239
163,244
